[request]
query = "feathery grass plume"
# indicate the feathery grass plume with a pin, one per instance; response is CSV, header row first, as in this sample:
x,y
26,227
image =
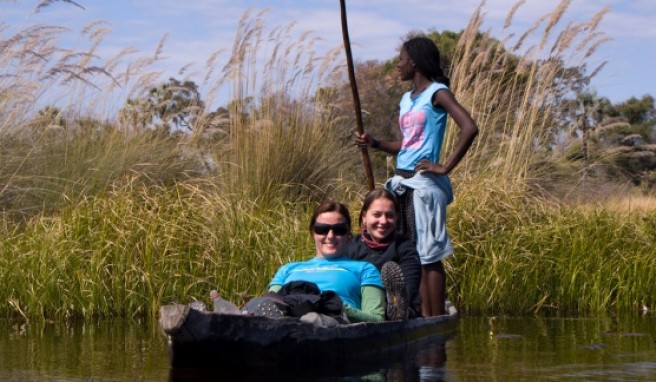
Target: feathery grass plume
x,y
596,19
565,38
278,142
554,18
512,12
585,41
210,64
598,69
136,76
593,47
46,3
466,41
112,64
212,85
520,41
514,95
96,31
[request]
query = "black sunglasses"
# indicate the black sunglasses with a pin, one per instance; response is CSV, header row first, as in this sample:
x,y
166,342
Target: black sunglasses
x,y
340,229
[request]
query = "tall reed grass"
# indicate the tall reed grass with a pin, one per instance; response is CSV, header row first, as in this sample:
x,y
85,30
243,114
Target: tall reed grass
x,y
64,166
514,91
103,217
60,140
136,247
523,254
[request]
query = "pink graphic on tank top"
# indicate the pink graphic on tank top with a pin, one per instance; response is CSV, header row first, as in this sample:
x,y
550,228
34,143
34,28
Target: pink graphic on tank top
x,y
412,126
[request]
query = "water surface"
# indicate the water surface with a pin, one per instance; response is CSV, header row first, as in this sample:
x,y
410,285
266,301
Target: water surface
x,y
483,348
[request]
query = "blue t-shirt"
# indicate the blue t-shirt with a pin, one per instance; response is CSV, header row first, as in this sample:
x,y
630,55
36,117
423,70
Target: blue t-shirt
x,y
422,126
341,275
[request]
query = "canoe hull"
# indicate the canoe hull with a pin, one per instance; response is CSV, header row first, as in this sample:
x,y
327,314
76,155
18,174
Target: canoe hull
x,y
207,340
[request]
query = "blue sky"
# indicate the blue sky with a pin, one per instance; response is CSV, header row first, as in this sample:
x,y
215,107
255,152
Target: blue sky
x,y
196,28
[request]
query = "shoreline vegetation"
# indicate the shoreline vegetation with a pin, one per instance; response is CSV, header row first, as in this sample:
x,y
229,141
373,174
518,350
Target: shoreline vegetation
x,y
113,213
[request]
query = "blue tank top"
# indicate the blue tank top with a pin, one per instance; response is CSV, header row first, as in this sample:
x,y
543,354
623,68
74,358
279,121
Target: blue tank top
x,y
422,126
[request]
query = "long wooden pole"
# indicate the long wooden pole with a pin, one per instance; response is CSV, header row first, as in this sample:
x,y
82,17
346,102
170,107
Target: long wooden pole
x,y
356,97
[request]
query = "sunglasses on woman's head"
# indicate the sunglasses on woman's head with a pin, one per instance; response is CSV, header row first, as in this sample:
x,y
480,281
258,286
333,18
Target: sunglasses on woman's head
x,y
340,229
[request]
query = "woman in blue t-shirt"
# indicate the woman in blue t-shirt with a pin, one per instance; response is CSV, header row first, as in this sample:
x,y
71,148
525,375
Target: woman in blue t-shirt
x,y
357,283
421,180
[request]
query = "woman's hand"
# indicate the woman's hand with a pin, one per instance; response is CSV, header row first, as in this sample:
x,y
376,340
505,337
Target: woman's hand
x,y
435,168
363,140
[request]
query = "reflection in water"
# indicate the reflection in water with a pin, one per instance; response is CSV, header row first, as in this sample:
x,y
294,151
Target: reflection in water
x,y
101,350
423,360
430,362
554,348
484,348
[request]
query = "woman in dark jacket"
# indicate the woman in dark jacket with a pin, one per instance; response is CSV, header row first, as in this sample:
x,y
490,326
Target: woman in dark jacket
x,y
379,243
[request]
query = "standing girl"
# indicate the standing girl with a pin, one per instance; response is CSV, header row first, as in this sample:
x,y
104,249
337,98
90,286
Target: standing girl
x,y
421,181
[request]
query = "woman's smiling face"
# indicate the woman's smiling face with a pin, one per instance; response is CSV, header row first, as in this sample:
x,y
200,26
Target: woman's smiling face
x,y
380,219
330,244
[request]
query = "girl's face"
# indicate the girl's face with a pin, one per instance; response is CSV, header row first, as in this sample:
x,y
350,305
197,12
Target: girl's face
x,y
330,234
380,219
406,66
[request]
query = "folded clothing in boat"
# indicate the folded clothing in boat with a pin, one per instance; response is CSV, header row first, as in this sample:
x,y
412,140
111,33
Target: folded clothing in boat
x,y
296,299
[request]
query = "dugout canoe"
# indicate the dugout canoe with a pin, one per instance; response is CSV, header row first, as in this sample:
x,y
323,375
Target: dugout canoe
x,y
239,343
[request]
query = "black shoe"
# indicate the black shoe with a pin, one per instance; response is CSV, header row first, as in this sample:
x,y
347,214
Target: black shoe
x,y
395,289
265,307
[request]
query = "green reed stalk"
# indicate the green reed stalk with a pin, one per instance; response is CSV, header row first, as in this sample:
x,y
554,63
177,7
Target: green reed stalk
x,y
521,254
114,220
128,252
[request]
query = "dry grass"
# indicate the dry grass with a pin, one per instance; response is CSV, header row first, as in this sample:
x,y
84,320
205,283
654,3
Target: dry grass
x,y
123,218
276,144
512,91
64,139
627,204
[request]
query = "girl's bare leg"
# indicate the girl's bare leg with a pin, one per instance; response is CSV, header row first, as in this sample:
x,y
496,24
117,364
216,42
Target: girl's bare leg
x,y
432,289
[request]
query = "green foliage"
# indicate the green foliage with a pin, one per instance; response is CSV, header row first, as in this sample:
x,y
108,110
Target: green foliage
x,y
137,247
516,255
53,165
447,43
638,111
126,253
172,105
119,215
616,137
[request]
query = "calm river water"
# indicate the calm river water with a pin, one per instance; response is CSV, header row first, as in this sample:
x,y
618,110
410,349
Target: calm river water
x,y
483,348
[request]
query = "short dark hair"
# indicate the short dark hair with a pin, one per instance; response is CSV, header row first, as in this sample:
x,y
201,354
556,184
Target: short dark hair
x,y
331,206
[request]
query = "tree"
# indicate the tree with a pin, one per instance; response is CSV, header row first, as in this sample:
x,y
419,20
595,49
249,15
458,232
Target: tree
x,y
173,105
638,111
616,136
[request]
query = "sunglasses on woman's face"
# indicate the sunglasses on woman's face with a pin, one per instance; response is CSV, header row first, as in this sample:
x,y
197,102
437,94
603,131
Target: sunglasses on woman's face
x,y
340,229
